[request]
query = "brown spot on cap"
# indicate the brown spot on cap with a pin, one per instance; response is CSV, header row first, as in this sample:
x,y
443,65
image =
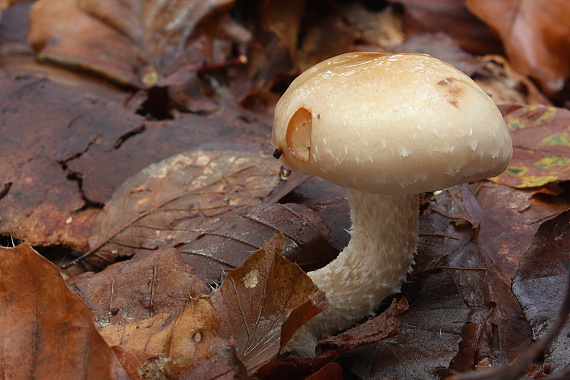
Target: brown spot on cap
x,y
454,89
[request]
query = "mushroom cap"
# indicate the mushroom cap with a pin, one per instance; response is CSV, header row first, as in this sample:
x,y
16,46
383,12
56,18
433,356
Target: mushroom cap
x,y
390,123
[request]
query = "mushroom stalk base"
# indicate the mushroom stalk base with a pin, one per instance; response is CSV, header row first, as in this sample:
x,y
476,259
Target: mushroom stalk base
x,y
380,253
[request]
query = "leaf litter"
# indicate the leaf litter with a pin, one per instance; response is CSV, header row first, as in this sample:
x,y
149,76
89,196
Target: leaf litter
x,y
254,312
208,205
178,199
473,239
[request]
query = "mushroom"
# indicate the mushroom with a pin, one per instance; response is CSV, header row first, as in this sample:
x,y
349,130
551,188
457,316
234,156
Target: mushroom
x,y
387,127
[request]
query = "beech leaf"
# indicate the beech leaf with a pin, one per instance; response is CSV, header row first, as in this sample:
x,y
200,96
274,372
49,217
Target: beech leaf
x,y
255,312
46,331
535,36
245,229
178,199
158,282
132,43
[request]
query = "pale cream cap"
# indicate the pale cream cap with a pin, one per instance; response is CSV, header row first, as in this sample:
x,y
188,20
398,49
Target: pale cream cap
x,y
390,123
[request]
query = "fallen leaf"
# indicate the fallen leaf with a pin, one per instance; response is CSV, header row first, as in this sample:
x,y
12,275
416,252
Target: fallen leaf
x,y
326,36
222,365
453,18
491,72
535,36
41,198
541,282
148,335
131,359
46,331
330,371
481,242
262,329
442,46
375,329
154,140
331,348
130,43
239,232
505,85
284,19
14,21
158,282
255,311
525,363
381,28
502,234
541,142
329,202
428,334
42,204
176,200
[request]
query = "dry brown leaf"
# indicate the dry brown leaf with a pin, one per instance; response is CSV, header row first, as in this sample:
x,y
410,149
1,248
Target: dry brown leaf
x,y
13,41
148,335
255,312
41,199
176,200
215,252
478,242
453,18
326,36
374,330
4,4
133,290
491,72
58,171
259,298
500,235
428,334
131,359
284,19
505,85
39,202
381,29
46,331
331,371
222,365
535,35
134,43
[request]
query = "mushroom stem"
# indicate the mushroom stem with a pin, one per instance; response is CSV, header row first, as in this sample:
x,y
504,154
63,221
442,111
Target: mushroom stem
x,y
380,253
